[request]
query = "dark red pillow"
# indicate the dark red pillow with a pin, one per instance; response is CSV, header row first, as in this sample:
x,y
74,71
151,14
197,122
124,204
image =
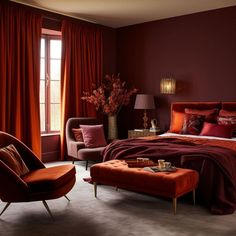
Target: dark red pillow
x,y
192,124
210,114
227,113
222,131
228,120
93,136
78,134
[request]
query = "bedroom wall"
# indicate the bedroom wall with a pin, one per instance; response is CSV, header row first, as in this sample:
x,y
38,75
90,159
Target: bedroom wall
x,y
199,50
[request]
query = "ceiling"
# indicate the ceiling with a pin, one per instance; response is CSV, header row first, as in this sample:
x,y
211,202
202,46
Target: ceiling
x,y
119,13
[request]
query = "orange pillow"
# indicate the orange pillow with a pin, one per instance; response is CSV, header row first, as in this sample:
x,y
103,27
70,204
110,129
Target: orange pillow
x,y
78,135
177,121
11,157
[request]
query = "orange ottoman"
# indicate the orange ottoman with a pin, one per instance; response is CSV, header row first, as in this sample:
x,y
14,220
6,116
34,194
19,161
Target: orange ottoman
x,y
167,184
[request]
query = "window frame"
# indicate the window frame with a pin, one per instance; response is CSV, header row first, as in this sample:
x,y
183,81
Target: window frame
x,y
47,38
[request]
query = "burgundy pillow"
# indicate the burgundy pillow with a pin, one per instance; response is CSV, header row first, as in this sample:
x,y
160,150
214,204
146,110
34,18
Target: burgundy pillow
x,y
223,131
11,157
192,124
210,114
227,113
93,136
78,135
228,120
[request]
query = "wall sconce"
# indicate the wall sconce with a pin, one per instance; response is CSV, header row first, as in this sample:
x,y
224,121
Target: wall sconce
x,y
144,101
168,85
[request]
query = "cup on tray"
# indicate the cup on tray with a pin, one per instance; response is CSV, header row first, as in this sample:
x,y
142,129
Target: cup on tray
x,y
167,164
161,163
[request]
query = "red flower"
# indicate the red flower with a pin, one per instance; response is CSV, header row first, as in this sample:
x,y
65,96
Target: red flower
x,y
110,96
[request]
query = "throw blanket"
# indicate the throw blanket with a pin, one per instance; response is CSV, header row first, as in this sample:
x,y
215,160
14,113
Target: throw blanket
x,y
216,165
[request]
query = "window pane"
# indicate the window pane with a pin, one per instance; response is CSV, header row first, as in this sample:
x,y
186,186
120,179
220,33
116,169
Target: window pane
x,y
42,47
42,69
55,117
55,69
42,117
55,92
55,48
42,91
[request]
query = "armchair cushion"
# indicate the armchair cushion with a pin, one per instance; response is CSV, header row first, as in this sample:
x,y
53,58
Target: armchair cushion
x,y
93,136
49,179
11,157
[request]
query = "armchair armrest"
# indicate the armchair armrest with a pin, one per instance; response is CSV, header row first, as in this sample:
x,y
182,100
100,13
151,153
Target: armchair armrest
x,y
73,148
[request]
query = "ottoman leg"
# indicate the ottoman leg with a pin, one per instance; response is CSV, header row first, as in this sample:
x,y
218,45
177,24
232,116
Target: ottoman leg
x,y
174,204
95,188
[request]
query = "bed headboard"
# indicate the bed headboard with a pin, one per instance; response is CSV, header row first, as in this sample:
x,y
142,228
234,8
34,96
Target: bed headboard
x,y
177,111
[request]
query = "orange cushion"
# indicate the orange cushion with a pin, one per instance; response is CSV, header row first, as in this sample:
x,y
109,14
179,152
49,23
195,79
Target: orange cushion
x,y
11,157
49,179
117,173
177,120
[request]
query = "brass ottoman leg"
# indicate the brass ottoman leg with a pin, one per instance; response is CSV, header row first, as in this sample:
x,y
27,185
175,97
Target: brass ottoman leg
x,y
95,188
194,197
174,204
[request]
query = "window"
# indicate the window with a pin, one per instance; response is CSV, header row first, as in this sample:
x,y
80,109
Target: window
x,y
50,73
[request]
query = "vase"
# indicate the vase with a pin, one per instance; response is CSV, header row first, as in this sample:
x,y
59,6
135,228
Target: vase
x,y
112,127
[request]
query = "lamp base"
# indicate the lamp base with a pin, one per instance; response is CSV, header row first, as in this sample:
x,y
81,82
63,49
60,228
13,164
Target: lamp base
x,y
145,119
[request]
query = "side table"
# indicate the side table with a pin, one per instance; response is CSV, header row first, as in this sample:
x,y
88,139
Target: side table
x,y
141,133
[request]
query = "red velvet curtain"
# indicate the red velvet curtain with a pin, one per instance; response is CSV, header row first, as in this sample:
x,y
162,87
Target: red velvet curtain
x,y
20,33
81,67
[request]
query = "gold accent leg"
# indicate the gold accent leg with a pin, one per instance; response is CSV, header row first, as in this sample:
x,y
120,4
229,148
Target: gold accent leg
x,y
95,188
194,198
67,198
6,206
174,204
47,208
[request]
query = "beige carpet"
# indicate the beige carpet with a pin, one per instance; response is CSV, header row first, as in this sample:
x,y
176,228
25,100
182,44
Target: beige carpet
x,y
113,213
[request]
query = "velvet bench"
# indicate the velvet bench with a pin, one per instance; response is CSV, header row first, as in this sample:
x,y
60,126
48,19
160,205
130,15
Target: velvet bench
x,y
166,184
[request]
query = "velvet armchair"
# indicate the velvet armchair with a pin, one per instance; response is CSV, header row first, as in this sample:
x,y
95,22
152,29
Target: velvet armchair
x,y
77,149
38,183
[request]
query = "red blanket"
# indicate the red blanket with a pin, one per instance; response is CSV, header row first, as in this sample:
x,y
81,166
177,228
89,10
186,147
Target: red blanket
x,y
216,165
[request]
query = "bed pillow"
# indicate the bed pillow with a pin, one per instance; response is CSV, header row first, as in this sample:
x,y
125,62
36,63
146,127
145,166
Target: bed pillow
x,y
93,136
223,131
210,114
193,124
177,120
11,157
228,120
227,113
78,135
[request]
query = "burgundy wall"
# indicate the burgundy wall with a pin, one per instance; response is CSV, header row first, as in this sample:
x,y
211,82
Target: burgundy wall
x,y
198,49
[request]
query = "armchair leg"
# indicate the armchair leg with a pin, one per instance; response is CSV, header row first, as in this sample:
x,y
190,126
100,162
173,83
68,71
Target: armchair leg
x,y
73,160
86,165
6,206
67,198
47,208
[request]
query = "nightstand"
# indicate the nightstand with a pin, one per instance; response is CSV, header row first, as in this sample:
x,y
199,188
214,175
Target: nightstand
x,y
141,133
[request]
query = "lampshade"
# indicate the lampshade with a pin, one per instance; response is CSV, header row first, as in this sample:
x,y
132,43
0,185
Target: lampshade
x,y
144,101
168,86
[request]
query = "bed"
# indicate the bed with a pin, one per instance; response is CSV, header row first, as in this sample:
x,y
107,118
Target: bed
x,y
201,137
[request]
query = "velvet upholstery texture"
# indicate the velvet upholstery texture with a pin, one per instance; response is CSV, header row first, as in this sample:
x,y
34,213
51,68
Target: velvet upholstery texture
x,y
117,173
39,183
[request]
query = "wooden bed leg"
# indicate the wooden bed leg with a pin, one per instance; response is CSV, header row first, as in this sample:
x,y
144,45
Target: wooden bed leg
x,y
95,188
194,198
174,204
